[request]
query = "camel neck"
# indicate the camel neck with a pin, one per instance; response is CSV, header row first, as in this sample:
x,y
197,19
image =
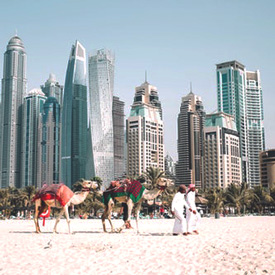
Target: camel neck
x,y
151,194
79,197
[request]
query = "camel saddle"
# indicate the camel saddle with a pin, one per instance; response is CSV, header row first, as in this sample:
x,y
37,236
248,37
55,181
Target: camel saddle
x,y
59,192
133,191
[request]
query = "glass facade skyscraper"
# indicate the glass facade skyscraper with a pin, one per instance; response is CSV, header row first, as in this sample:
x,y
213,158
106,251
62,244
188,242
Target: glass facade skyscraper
x,y
31,142
51,142
119,137
190,141
74,118
13,90
240,94
101,87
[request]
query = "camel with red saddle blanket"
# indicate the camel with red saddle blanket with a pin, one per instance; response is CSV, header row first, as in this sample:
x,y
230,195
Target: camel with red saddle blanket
x,y
60,196
133,194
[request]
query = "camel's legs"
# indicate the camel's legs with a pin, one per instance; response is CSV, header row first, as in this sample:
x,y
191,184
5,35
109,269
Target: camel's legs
x,y
37,203
138,206
107,214
40,207
58,219
66,209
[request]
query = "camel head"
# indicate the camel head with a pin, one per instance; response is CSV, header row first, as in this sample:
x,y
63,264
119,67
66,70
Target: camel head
x,y
87,185
163,183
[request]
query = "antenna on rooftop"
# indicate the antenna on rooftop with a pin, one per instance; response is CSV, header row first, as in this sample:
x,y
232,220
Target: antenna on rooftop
x,y
145,76
191,87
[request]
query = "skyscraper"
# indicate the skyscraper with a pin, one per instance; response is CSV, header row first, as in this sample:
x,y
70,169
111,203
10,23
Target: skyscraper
x,y
52,88
119,137
255,125
101,86
144,132
74,118
32,110
190,141
221,158
240,94
13,89
51,142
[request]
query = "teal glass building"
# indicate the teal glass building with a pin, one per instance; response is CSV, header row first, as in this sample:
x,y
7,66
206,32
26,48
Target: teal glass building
x,y
74,118
239,94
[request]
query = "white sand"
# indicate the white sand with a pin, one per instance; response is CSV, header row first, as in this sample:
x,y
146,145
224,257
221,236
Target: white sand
x,y
242,245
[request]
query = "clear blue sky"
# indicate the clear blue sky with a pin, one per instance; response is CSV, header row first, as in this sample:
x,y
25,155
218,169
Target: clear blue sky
x,y
177,42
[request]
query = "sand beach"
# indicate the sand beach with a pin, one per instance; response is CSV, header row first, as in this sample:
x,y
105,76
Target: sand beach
x,y
233,245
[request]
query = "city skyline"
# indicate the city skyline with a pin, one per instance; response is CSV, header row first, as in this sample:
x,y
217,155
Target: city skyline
x,y
174,51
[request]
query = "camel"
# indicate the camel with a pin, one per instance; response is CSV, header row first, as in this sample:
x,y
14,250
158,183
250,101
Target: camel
x,y
78,197
162,184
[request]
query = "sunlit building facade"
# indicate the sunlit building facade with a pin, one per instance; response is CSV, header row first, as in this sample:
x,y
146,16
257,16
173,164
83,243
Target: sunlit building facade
x,y
144,132
101,88
221,157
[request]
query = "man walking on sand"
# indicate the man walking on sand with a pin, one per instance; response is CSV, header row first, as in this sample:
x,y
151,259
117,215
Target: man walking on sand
x,y
192,216
177,208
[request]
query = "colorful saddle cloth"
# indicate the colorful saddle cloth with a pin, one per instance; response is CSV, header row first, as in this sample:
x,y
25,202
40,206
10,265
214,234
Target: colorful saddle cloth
x,y
60,192
133,191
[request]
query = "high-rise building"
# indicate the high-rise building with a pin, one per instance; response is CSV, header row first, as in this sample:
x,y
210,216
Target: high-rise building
x,y
240,94
13,90
190,141
267,164
119,137
170,167
144,132
74,118
31,142
50,136
101,86
52,88
221,158
255,127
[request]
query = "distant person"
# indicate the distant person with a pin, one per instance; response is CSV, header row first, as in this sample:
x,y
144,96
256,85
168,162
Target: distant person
x,y
177,208
192,216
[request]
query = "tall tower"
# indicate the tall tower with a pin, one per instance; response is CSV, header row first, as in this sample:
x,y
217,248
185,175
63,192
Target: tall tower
x,y
240,95
190,141
255,125
13,89
31,142
231,100
52,88
119,137
74,118
144,132
101,86
51,142
221,158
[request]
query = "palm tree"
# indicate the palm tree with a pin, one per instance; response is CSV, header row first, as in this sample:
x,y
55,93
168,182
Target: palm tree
x,y
237,196
261,198
153,175
215,199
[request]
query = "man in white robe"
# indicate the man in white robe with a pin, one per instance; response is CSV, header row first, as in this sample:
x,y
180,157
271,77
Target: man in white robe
x,y
177,208
193,216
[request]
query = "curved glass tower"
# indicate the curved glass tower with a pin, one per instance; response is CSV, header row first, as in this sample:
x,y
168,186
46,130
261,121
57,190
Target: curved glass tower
x,y
101,86
74,118
13,89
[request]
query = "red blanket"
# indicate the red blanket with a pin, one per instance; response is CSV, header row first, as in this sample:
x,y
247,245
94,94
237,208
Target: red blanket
x,y
133,190
59,192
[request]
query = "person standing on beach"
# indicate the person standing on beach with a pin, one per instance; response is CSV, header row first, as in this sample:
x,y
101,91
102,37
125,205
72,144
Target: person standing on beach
x,y
177,208
192,216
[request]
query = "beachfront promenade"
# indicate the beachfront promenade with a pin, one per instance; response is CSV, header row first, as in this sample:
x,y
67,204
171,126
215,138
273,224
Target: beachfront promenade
x,y
239,245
